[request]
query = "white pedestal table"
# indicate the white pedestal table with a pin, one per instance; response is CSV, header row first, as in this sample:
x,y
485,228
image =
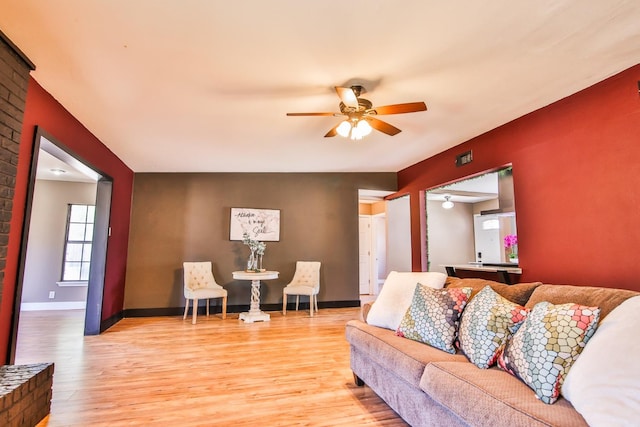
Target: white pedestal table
x,y
255,314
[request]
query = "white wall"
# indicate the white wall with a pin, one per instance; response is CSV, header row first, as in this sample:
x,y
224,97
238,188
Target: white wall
x,y
450,234
43,264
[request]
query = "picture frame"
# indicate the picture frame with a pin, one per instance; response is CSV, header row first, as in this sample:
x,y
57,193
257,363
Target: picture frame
x,y
260,224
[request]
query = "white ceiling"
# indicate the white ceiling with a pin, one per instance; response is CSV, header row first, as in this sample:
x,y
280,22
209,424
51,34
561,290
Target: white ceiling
x,y
472,190
53,169
204,85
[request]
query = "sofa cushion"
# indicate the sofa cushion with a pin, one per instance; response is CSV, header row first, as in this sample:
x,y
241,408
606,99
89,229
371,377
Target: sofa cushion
x,y
486,324
605,298
547,344
518,293
433,316
396,295
406,358
491,397
604,383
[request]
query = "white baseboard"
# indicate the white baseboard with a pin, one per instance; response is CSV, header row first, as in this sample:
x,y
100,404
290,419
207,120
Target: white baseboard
x,y
60,305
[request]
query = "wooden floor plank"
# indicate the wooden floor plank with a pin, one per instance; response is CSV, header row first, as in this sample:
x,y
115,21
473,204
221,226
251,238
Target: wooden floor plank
x,y
293,370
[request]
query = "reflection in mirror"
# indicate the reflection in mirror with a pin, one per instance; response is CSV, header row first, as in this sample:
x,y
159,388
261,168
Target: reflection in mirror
x,y
472,222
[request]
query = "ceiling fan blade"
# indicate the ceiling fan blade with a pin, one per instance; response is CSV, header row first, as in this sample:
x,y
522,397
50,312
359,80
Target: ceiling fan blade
x,y
347,96
311,114
409,107
383,127
333,131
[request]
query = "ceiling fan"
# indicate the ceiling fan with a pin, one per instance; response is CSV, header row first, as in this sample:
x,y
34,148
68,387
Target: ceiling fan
x,y
360,114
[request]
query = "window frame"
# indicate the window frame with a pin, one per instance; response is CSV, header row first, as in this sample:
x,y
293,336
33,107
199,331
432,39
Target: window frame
x,y
84,263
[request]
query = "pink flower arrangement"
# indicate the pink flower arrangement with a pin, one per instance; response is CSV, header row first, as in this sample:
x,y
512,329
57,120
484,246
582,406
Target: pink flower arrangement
x,y
510,240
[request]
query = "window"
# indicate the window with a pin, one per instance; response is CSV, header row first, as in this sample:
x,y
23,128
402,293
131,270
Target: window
x,y
77,251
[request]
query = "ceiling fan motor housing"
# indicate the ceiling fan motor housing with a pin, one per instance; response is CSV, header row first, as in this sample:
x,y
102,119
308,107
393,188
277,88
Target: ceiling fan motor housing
x,y
363,105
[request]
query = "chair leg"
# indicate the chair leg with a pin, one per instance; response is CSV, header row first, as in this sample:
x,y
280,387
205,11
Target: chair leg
x,y
207,307
195,311
224,308
284,304
311,304
186,308
315,298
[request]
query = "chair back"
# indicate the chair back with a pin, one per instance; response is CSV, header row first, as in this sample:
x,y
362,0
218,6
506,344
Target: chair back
x,y
198,275
307,274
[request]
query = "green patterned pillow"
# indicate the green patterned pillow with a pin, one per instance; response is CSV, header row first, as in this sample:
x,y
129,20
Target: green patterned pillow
x,y
433,316
487,322
550,339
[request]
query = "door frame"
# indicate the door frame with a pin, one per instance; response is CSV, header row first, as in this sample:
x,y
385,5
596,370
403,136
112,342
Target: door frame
x,y
95,291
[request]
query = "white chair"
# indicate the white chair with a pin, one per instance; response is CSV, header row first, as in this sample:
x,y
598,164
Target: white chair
x,y
200,284
306,281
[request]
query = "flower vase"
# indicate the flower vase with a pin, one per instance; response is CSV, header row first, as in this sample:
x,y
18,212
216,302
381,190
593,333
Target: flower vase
x,y
252,263
260,264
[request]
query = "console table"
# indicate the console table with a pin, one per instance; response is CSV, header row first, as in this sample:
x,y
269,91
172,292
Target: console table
x,y
255,314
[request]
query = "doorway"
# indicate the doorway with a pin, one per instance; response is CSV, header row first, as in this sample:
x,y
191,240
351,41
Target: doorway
x,y
64,160
372,242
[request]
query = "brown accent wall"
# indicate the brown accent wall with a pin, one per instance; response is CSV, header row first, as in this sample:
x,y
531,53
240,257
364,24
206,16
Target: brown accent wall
x,y
180,217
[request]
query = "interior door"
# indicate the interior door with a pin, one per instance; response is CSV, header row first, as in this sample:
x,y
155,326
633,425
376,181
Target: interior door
x,y
365,255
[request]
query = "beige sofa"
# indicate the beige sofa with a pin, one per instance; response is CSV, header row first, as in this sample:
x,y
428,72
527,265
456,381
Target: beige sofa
x,y
429,387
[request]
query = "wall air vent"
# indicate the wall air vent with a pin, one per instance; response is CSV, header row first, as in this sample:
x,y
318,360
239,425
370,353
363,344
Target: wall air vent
x,y
464,158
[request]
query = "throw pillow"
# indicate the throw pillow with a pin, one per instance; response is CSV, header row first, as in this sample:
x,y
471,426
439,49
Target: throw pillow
x,y
433,316
396,294
604,383
487,322
550,339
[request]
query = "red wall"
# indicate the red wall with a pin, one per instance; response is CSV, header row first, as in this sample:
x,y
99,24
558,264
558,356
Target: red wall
x,y
44,111
576,166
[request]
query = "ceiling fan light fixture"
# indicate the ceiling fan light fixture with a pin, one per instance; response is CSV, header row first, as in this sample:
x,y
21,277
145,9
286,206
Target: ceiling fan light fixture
x,y
344,128
447,204
363,127
360,114
57,171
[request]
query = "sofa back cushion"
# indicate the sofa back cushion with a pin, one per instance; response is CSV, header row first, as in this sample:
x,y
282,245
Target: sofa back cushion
x,y
518,293
605,298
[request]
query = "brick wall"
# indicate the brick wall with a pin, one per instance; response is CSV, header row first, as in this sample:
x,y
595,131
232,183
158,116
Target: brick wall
x,y
14,76
25,394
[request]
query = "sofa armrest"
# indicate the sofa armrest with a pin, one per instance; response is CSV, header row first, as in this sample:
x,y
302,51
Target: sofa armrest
x,y
364,311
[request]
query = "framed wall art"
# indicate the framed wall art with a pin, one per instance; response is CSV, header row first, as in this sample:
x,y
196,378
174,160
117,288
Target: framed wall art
x,y
260,224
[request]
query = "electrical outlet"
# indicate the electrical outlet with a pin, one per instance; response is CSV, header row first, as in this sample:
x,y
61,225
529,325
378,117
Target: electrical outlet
x,y
52,294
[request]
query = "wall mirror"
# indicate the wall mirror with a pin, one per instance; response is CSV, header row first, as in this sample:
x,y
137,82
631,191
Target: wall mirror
x,y
472,222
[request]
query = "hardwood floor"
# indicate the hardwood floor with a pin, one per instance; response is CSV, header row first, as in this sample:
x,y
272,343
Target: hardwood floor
x,y
165,371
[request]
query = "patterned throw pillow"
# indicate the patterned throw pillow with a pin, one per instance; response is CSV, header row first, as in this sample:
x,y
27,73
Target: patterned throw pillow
x,y
433,316
550,339
486,324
